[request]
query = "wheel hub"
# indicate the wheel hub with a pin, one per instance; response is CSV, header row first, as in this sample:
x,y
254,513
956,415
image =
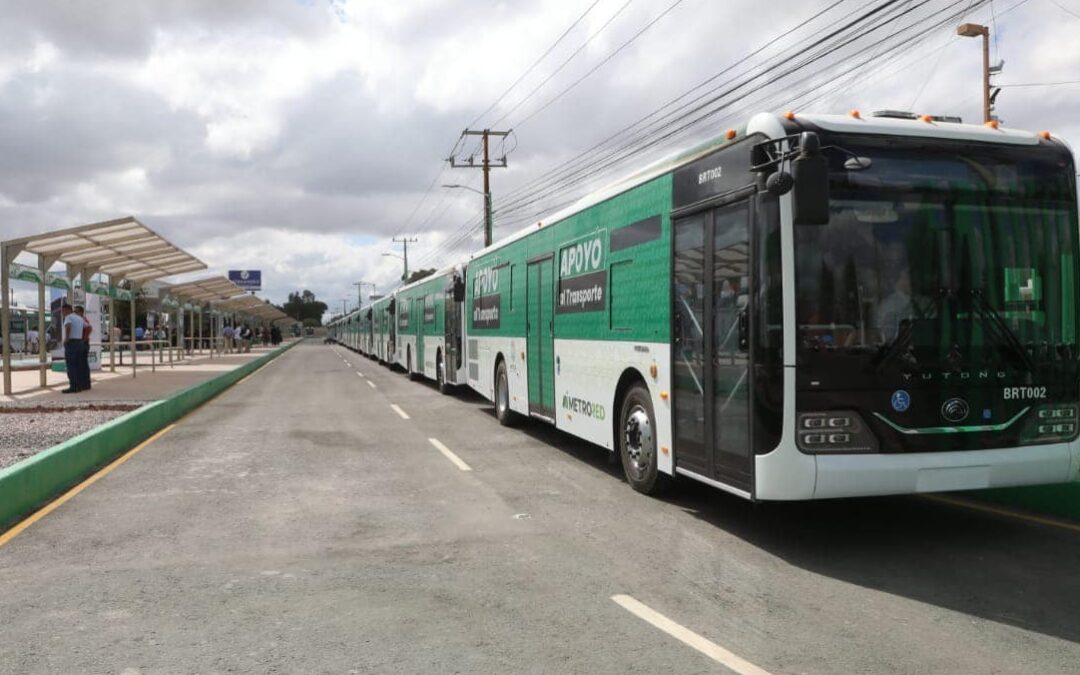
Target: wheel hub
x,y
638,437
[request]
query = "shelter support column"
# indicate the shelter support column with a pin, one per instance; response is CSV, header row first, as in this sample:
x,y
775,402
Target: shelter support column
x,y
43,375
5,314
134,343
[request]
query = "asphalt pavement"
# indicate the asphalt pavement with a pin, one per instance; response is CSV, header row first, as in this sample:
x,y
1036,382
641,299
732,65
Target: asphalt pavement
x,y
326,515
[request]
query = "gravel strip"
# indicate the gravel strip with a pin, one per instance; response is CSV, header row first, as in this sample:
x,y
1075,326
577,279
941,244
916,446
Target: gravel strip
x,y
28,428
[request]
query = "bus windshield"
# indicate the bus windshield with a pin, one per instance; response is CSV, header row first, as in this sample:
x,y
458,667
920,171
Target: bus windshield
x,y
940,255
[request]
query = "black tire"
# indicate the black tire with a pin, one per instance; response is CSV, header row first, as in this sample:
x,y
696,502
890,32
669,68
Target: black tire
x,y
440,374
637,442
408,364
503,413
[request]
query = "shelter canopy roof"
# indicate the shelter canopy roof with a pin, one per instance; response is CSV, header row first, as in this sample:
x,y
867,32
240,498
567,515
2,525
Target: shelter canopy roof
x,y
210,289
122,248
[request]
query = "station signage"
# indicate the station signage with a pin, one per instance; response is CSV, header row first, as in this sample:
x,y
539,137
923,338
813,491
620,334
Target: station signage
x,y
249,280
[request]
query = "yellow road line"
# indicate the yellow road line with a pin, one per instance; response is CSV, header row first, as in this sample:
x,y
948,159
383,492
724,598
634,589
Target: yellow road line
x,y
60,501
64,498
986,508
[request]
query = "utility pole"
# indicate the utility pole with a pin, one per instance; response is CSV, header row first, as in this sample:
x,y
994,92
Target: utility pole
x,y
405,241
976,30
487,165
360,290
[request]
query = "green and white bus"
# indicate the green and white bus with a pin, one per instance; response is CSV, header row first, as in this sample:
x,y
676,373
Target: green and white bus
x,y
809,307
429,323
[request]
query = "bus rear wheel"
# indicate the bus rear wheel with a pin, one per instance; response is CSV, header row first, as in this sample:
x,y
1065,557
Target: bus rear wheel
x,y
503,413
440,374
637,442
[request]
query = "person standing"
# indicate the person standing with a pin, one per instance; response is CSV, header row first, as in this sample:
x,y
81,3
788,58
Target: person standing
x,y
71,334
83,378
227,337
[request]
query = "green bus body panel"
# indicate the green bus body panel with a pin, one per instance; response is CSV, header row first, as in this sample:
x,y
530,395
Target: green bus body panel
x,y
429,294
643,272
540,341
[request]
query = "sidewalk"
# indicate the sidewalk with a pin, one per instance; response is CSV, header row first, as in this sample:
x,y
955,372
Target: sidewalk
x,y
148,385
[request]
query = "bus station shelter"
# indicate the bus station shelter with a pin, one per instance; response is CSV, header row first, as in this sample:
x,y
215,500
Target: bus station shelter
x,y
251,306
124,250
197,295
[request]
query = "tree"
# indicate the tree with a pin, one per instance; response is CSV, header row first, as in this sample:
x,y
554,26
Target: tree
x,y
303,306
420,274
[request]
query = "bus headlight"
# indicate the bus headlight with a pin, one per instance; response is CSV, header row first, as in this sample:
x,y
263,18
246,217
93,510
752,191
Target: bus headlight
x,y
1052,422
834,431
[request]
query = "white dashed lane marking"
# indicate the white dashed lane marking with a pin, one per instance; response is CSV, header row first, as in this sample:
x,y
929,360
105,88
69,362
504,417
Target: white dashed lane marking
x,y
688,637
450,455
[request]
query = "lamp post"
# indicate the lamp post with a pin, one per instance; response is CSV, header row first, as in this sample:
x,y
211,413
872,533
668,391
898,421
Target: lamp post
x,y
488,224
360,290
405,274
975,30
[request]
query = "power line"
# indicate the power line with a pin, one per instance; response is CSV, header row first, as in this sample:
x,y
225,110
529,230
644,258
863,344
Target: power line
x,y
563,64
599,65
535,63
1040,84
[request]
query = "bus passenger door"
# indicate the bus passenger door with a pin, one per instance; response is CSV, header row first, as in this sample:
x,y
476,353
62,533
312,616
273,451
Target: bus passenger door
x,y
710,347
540,337
421,309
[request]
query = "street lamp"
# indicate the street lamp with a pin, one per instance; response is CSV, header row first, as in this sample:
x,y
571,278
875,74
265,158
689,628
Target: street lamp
x,y
975,30
488,224
405,274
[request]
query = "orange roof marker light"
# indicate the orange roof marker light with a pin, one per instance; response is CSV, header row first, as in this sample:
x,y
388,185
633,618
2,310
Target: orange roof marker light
x,y
1045,135
993,124
789,115
926,118
730,134
856,114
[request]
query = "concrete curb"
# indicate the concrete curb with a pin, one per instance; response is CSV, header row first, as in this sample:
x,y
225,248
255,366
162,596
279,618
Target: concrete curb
x,y
36,480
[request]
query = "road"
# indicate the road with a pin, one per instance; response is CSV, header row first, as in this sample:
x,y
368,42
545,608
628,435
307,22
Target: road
x,y
299,523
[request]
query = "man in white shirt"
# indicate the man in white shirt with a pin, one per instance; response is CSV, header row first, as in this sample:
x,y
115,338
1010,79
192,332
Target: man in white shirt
x,y
72,335
32,338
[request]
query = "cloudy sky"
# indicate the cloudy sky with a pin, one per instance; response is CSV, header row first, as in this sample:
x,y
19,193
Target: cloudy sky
x,y
299,136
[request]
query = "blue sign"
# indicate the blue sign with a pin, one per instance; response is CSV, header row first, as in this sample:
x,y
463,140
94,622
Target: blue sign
x,y
249,280
901,401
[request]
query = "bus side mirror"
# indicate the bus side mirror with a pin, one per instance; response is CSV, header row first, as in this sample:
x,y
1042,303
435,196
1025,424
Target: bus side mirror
x,y
810,192
459,290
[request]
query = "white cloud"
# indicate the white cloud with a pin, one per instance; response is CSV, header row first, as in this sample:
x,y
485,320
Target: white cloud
x,y
297,137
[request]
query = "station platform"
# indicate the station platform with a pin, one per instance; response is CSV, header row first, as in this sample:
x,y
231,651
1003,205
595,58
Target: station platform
x,y
36,418
151,381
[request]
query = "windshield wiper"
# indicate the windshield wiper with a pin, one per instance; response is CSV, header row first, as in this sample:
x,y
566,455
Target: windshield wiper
x,y
1002,332
891,350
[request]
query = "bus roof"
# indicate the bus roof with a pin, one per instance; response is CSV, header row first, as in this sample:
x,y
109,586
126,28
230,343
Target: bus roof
x,y
774,126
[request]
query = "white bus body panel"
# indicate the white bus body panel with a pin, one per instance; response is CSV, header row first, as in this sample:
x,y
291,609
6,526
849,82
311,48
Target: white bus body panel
x,y
432,345
783,476
405,345
589,370
487,350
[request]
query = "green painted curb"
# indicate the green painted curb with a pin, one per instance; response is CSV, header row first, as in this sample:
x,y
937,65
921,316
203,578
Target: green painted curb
x,y
1062,500
28,485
